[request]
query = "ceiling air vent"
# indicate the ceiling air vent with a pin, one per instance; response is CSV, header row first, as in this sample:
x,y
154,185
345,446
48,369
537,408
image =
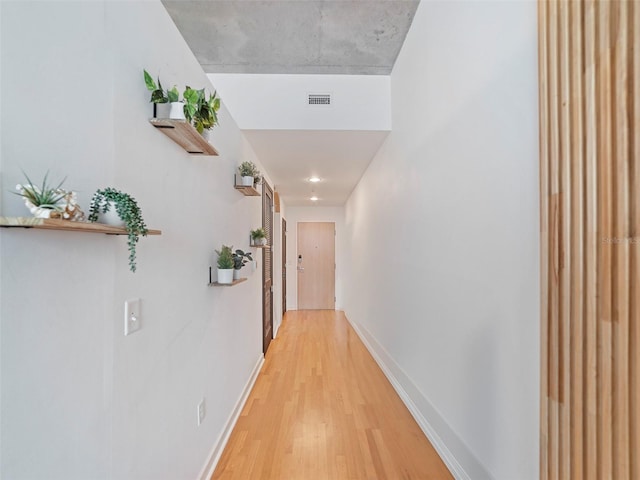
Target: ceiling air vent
x,y
319,99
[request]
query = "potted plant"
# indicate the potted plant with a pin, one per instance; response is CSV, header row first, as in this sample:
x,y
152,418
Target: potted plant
x,y
191,99
114,207
45,201
249,173
195,107
160,97
177,111
206,113
225,265
240,259
259,236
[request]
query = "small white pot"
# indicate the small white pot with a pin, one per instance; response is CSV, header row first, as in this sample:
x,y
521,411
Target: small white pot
x,y
163,110
177,111
39,212
206,134
225,276
247,181
111,217
236,274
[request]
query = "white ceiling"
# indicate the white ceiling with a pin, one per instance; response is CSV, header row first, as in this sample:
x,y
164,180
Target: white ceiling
x,y
317,37
294,140
339,158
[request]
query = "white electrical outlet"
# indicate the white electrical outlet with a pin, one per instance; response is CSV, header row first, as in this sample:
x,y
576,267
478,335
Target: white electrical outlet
x,y
202,411
132,320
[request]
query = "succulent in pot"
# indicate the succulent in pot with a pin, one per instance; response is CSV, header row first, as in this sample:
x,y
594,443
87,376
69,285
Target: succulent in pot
x,y
250,174
225,264
45,201
110,200
259,236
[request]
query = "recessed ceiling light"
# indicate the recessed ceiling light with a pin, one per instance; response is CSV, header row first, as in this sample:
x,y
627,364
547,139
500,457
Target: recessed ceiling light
x,y
314,199
314,179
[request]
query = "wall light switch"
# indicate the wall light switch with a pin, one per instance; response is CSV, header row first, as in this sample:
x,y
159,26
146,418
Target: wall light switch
x,y
132,321
202,411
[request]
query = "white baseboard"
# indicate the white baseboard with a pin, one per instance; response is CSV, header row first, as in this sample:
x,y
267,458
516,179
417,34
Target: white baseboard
x,y
459,460
212,461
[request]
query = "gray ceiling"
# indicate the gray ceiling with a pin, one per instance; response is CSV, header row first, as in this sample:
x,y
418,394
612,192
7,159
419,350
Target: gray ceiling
x,y
356,37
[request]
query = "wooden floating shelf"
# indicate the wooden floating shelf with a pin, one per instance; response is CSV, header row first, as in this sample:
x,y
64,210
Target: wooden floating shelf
x,y
235,282
260,246
248,191
185,135
66,225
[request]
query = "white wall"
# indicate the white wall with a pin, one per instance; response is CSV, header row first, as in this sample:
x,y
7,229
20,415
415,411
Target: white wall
x,y
314,214
442,234
280,102
79,400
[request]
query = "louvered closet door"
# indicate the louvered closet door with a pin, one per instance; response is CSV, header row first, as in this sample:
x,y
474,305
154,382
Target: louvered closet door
x,y
267,267
590,235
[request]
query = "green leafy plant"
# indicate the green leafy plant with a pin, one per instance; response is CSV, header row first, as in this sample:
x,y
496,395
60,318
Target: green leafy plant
x,y
258,234
191,100
157,93
206,114
44,196
225,258
249,169
173,95
129,212
199,110
240,259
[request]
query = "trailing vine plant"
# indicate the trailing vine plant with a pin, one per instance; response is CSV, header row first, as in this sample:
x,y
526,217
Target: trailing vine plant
x,y
129,212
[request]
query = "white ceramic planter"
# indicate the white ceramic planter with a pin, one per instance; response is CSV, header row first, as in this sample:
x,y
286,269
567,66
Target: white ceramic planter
x,y
225,276
163,110
207,134
40,212
247,181
111,217
177,111
236,274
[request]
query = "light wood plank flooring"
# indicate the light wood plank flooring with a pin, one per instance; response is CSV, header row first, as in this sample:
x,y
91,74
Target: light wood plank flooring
x,y
322,409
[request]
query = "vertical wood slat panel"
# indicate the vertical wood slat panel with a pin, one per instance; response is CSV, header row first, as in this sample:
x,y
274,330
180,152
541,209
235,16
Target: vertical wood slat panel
x,y
564,293
554,247
577,244
634,343
544,232
621,251
634,320
603,112
590,239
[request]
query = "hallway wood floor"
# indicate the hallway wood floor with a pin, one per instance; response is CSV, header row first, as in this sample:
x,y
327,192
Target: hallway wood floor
x,y
321,408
